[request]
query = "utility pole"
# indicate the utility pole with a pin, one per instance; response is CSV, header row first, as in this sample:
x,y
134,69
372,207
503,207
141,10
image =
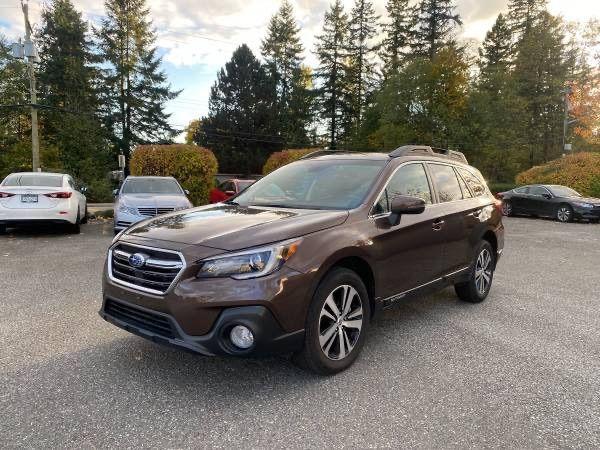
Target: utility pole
x,y
567,91
32,56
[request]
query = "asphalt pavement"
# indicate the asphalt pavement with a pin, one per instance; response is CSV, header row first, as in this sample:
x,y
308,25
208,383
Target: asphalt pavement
x,y
520,370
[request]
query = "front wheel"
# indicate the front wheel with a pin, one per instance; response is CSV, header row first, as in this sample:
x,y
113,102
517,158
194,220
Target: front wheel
x,y
336,323
478,286
564,213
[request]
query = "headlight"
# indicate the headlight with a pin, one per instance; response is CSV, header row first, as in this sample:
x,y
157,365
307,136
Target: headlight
x,y
128,209
584,205
248,264
180,208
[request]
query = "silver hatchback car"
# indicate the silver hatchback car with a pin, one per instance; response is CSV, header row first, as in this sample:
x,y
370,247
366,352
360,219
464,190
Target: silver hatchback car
x,y
142,197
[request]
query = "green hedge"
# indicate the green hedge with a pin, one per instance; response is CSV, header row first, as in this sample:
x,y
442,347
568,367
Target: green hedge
x,y
194,167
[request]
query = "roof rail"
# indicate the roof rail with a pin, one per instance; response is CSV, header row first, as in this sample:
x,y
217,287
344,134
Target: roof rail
x,y
323,152
408,150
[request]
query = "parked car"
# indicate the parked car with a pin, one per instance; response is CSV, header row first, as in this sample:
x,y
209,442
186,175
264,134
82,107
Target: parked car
x,y
41,197
143,197
301,259
227,189
547,200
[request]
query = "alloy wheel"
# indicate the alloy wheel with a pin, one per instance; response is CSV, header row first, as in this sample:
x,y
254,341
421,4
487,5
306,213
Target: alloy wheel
x,y
506,208
563,214
483,271
340,322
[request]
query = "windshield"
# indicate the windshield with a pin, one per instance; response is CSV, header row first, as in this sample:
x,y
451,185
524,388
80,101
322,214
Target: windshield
x,y
34,180
326,184
151,186
563,191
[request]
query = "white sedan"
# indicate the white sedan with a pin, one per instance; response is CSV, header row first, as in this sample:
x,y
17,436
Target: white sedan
x,y
32,197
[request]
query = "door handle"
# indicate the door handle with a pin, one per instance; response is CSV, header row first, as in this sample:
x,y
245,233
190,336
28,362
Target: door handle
x,y
437,224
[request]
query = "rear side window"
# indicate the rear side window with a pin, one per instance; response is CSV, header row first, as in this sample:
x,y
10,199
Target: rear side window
x,y
34,180
446,183
474,183
408,180
463,186
522,190
538,190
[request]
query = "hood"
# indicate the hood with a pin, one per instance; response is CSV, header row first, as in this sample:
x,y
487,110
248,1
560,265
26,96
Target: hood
x,y
592,200
153,200
233,227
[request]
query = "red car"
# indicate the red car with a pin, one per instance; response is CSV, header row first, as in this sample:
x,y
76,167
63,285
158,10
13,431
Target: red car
x,y
228,188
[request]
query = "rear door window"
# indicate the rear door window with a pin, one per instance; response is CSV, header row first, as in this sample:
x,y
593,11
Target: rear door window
x,y
446,183
538,190
463,186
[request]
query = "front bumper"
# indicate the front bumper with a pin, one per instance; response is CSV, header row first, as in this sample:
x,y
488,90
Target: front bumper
x,y
587,213
269,338
125,220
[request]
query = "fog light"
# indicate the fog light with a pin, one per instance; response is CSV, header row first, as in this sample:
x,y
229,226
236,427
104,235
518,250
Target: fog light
x,y
241,337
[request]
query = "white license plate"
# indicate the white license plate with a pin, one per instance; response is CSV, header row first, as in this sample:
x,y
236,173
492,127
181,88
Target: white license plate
x,y
29,198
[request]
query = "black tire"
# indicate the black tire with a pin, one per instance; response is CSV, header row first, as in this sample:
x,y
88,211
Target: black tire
x,y
594,220
85,215
471,290
564,213
2,229
76,227
313,357
507,208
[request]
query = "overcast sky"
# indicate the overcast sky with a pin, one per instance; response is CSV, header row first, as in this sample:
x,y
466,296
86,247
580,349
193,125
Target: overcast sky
x,y
197,37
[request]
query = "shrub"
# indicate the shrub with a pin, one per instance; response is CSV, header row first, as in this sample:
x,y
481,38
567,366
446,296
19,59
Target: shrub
x,y
194,167
580,171
279,159
501,187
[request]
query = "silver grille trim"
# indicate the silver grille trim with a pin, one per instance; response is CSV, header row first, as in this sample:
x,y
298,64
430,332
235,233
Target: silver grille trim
x,y
151,212
163,274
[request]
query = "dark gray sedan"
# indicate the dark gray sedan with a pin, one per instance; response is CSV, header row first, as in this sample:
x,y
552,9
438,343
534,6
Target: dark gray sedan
x,y
547,200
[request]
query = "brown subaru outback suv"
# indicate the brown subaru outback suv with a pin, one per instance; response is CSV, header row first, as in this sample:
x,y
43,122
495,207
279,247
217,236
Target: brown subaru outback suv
x,y
301,260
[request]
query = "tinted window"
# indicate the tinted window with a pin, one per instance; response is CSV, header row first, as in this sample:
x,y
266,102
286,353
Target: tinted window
x,y
474,183
151,186
446,183
408,180
34,180
463,186
538,190
563,191
315,184
522,190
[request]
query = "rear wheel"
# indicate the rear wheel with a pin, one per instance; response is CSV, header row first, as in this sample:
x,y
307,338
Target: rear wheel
x,y
85,215
337,320
2,229
478,286
76,227
507,208
564,213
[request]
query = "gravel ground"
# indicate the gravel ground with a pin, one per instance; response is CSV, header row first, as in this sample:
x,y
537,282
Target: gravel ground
x,y
520,370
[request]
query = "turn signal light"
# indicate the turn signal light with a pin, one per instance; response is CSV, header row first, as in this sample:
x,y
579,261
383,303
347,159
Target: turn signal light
x,y
6,194
59,195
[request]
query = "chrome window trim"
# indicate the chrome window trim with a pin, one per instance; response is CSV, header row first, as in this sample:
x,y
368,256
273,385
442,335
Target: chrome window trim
x,y
142,288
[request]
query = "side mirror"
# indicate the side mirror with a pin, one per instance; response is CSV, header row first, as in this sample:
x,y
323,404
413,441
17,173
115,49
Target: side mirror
x,y
116,192
186,192
405,204
547,196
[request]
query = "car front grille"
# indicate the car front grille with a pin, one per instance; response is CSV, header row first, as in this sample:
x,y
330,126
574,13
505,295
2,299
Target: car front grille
x,y
140,318
151,212
156,274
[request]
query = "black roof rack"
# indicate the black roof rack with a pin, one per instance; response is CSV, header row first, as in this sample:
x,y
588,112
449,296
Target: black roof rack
x,y
410,150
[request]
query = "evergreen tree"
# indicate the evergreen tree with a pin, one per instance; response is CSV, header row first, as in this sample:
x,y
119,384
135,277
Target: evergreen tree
x,y
541,71
136,88
282,51
332,73
436,23
362,77
398,35
241,128
523,15
495,54
67,85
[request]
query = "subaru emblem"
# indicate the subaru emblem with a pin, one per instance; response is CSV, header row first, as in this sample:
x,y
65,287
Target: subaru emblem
x,y
137,260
